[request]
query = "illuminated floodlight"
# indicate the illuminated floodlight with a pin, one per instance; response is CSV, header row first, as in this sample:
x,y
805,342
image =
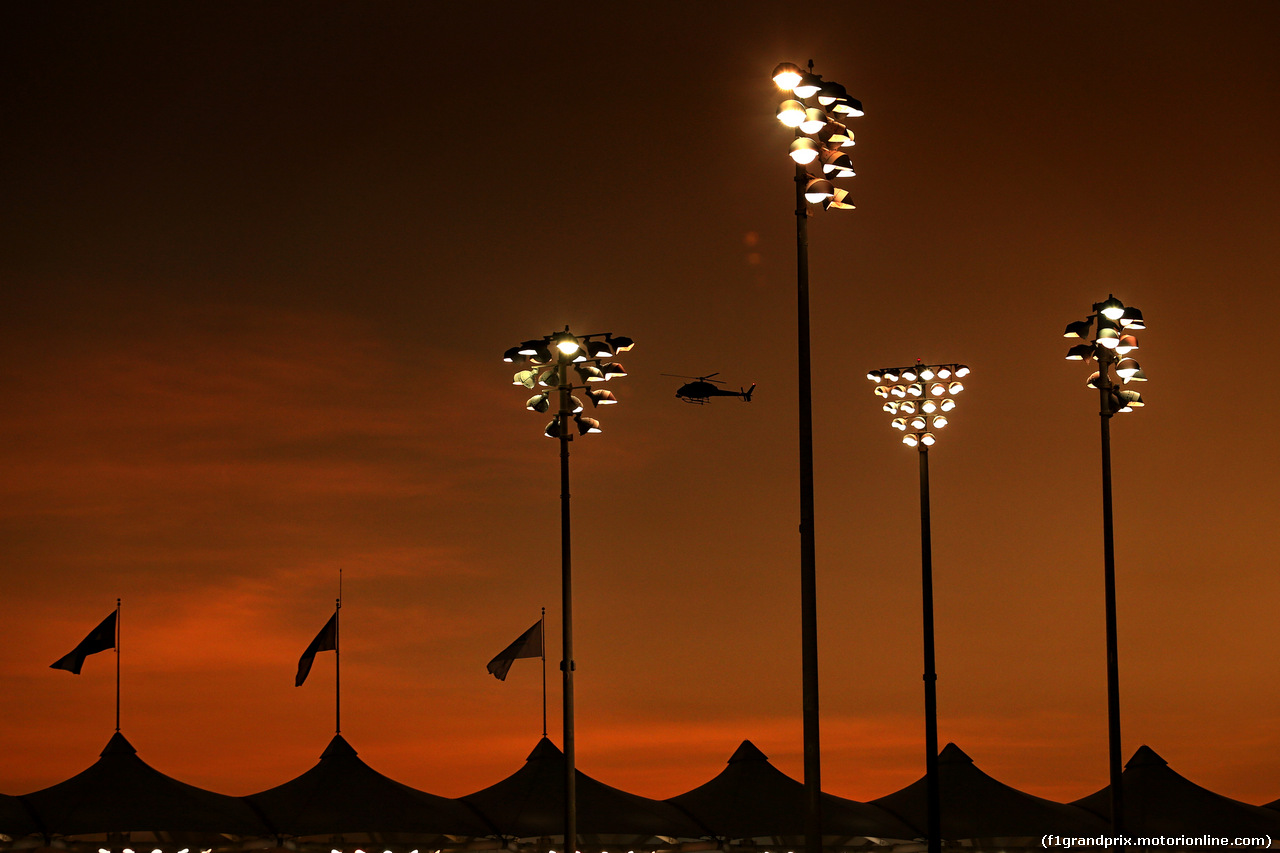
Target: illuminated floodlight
x,y
804,150
891,407
910,374
539,402
1108,338
527,378
787,75
890,374
588,373
929,406
1132,319
927,439
926,373
808,86
875,375
601,397
1127,368
839,199
899,423
916,389
1078,329
939,422
947,405
814,120
791,113
910,439
955,387
1112,309
944,371
962,370
898,390
882,390
1127,343
819,190
1080,352
909,407
938,389
918,422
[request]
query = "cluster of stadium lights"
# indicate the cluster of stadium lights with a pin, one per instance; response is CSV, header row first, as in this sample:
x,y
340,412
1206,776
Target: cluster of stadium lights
x,y
919,397
1110,347
546,364
820,138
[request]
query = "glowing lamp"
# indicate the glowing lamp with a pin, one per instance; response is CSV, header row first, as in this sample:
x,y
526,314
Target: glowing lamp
x,y
787,75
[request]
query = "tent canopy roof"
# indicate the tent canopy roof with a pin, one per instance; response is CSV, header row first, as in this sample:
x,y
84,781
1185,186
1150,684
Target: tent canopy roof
x,y
750,798
122,793
342,794
974,805
1159,801
530,803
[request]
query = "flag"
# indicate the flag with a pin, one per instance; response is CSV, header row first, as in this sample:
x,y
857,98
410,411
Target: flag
x,y
527,645
325,641
100,639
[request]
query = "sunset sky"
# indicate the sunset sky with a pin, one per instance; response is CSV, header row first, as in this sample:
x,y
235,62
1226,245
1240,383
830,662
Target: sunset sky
x,y
260,262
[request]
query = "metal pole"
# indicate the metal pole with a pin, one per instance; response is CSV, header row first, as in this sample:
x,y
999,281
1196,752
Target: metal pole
x,y
808,572
566,592
1109,581
933,796
117,666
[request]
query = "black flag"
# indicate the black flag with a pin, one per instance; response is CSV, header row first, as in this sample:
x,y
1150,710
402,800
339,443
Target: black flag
x,y
100,639
325,641
527,645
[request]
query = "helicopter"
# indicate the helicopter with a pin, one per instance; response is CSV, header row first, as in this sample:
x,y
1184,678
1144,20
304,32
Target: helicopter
x,y
703,388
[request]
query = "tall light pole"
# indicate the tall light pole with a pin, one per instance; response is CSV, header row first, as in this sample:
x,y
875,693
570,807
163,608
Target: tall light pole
x,y
547,363
1110,347
919,403
819,138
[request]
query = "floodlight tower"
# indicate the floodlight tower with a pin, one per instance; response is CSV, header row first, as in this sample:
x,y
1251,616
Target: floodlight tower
x,y
819,139
545,363
919,397
1110,347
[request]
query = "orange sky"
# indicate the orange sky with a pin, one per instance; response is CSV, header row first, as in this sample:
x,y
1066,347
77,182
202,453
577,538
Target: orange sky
x,y
261,264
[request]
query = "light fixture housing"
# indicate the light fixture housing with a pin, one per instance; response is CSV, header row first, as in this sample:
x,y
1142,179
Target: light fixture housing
x,y
808,86
1112,309
819,190
588,373
814,120
804,150
601,397
787,75
791,113
1132,319
1078,329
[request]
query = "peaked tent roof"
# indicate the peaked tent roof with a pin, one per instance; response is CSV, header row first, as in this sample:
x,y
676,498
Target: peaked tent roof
x,y
974,805
750,798
530,803
122,793
1158,801
342,794
15,820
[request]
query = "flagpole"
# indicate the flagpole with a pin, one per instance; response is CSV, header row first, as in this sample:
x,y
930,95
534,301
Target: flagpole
x,y
337,663
543,629
117,666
